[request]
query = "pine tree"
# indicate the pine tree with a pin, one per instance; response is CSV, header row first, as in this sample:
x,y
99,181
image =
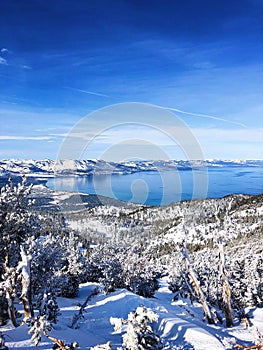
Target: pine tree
x,y
16,222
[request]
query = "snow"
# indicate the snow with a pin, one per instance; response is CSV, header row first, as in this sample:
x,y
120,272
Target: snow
x,y
180,323
178,329
46,168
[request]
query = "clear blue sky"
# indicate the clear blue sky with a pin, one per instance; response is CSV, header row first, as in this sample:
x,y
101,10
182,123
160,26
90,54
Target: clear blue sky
x,y
60,60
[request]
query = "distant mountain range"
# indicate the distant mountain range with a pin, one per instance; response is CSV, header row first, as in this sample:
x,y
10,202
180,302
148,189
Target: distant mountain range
x,y
48,168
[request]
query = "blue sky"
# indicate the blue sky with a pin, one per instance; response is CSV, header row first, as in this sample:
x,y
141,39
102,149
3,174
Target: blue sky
x,y
61,60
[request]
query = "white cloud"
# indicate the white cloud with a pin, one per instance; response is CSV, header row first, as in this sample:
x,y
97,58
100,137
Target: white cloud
x,y
26,67
4,50
32,138
88,92
122,133
206,116
3,61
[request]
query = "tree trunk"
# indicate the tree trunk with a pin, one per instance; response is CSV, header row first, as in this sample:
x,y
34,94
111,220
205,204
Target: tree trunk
x,y
25,268
196,286
226,292
60,343
9,288
11,309
223,236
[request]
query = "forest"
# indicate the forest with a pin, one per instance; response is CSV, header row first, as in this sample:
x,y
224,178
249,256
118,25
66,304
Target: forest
x,y
206,253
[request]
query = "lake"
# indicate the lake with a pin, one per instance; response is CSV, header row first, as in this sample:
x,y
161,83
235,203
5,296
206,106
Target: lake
x,y
153,188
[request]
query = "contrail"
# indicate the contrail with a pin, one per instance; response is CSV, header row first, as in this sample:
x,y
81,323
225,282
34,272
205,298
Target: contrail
x,y
87,92
206,116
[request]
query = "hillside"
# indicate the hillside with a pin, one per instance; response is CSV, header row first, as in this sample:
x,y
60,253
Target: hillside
x,y
179,328
135,255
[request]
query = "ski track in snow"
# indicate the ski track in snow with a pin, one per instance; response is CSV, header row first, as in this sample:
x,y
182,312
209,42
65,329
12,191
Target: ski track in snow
x,y
178,328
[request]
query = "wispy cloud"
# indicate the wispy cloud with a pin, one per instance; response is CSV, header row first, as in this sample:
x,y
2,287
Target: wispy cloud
x,y
87,92
121,133
4,50
3,61
206,116
24,66
32,138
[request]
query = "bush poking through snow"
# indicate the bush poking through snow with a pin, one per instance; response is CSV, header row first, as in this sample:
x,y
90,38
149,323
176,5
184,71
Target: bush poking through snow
x,y
42,324
106,346
139,333
71,346
38,326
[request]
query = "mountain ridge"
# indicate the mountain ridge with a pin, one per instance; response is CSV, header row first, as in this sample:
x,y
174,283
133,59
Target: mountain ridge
x,y
49,167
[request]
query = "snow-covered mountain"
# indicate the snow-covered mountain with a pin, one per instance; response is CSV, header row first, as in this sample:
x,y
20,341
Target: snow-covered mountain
x,y
85,167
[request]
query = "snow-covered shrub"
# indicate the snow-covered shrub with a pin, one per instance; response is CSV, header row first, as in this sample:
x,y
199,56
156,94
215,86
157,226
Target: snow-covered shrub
x,y
106,346
46,304
19,228
139,333
105,267
144,284
9,286
51,254
245,274
140,275
111,275
119,266
67,285
39,326
16,221
57,264
177,282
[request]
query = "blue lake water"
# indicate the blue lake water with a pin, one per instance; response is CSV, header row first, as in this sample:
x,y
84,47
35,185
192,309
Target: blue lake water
x,y
153,188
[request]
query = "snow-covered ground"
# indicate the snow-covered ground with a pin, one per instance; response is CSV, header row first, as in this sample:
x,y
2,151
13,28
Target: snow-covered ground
x,y
180,324
45,168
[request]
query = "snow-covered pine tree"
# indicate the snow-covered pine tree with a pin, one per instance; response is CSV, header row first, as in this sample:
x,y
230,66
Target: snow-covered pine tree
x,y
16,222
139,333
57,263
47,305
